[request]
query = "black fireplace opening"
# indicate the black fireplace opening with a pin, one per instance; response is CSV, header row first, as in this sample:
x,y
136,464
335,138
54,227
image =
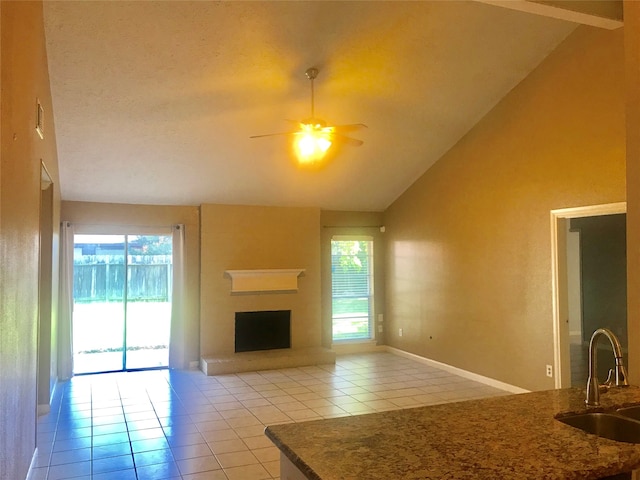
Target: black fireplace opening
x,y
263,330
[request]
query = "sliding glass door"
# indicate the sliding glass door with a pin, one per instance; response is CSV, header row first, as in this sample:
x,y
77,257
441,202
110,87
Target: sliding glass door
x,y
122,302
148,306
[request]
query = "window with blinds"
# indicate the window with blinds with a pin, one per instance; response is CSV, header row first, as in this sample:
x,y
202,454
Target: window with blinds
x,y
352,288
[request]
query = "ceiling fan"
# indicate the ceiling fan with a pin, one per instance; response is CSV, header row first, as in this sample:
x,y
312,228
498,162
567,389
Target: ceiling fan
x,y
314,137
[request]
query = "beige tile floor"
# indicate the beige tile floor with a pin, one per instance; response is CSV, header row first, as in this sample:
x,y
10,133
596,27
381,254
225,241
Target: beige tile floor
x,y
168,424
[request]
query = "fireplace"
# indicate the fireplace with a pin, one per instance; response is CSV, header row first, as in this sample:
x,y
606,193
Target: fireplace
x,y
263,330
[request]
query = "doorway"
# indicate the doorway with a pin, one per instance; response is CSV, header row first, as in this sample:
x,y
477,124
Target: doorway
x,y
46,377
601,289
589,284
121,302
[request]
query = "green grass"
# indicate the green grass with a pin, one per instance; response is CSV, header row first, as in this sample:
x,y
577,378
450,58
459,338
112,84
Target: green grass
x,y
343,306
350,328
351,318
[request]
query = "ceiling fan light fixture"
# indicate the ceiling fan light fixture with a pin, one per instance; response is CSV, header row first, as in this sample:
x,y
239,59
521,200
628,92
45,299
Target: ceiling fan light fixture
x,y
314,138
311,144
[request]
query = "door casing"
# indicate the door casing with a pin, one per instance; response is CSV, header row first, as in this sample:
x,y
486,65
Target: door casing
x,y
561,359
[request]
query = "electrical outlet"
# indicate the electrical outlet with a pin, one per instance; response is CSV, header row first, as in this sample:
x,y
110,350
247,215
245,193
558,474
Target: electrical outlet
x,y
399,332
549,371
379,328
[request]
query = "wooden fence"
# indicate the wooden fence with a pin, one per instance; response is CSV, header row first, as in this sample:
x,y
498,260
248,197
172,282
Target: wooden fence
x,y
105,282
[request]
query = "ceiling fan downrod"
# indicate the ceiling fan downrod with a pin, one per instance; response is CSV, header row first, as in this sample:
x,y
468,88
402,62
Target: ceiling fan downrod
x,y
311,74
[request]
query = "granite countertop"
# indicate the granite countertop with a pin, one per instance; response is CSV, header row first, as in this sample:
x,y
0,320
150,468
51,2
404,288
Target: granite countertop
x,y
508,437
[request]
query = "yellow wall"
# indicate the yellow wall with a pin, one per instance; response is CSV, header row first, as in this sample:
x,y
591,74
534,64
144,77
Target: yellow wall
x,y
245,237
469,259
24,78
184,341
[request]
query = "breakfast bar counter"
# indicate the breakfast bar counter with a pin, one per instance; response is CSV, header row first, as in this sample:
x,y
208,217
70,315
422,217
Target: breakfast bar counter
x,y
507,437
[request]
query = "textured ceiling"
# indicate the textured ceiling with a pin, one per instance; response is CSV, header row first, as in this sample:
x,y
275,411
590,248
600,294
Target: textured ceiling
x,y
154,101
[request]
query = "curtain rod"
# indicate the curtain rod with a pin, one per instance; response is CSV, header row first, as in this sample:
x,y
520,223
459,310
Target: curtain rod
x,y
120,229
107,225
352,226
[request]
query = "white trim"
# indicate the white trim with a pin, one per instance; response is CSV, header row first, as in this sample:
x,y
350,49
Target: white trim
x,y
591,210
32,465
45,408
556,11
557,361
555,216
492,382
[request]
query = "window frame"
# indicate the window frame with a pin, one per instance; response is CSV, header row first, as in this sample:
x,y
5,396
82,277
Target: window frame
x,y
371,288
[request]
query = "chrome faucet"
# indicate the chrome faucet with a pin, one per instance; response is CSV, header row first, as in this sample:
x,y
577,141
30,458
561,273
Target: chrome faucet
x,y
620,373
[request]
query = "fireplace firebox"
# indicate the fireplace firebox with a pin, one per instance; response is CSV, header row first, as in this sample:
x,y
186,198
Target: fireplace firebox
x,y
263,330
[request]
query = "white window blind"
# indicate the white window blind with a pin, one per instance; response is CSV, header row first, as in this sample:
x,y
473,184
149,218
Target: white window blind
x,y
352,288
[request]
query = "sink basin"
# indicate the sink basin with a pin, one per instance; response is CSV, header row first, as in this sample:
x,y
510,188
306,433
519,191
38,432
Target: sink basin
x,y
630,412
606,425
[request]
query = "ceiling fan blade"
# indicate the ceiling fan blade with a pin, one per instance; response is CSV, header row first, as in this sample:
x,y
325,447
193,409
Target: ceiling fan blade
x,y
349,128
274,134
347,140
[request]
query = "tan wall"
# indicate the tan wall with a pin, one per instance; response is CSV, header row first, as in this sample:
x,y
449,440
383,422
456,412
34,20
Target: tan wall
x,y
186,340
24,78
469,259
244,237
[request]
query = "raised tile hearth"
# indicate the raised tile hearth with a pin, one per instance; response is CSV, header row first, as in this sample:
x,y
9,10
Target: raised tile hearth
x,y
266,360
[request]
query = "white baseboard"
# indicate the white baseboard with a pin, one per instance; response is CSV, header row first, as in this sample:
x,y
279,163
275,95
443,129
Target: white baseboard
x,y
43,409
32,465
458,371
195,365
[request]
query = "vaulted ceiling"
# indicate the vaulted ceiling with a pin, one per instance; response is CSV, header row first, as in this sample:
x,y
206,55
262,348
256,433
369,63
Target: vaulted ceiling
x,y
154,101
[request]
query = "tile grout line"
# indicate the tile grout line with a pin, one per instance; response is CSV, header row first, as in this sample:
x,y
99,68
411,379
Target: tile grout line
x,y
362,373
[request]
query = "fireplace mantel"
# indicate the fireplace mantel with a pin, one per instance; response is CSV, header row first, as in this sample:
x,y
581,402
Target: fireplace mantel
x,y
268,280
